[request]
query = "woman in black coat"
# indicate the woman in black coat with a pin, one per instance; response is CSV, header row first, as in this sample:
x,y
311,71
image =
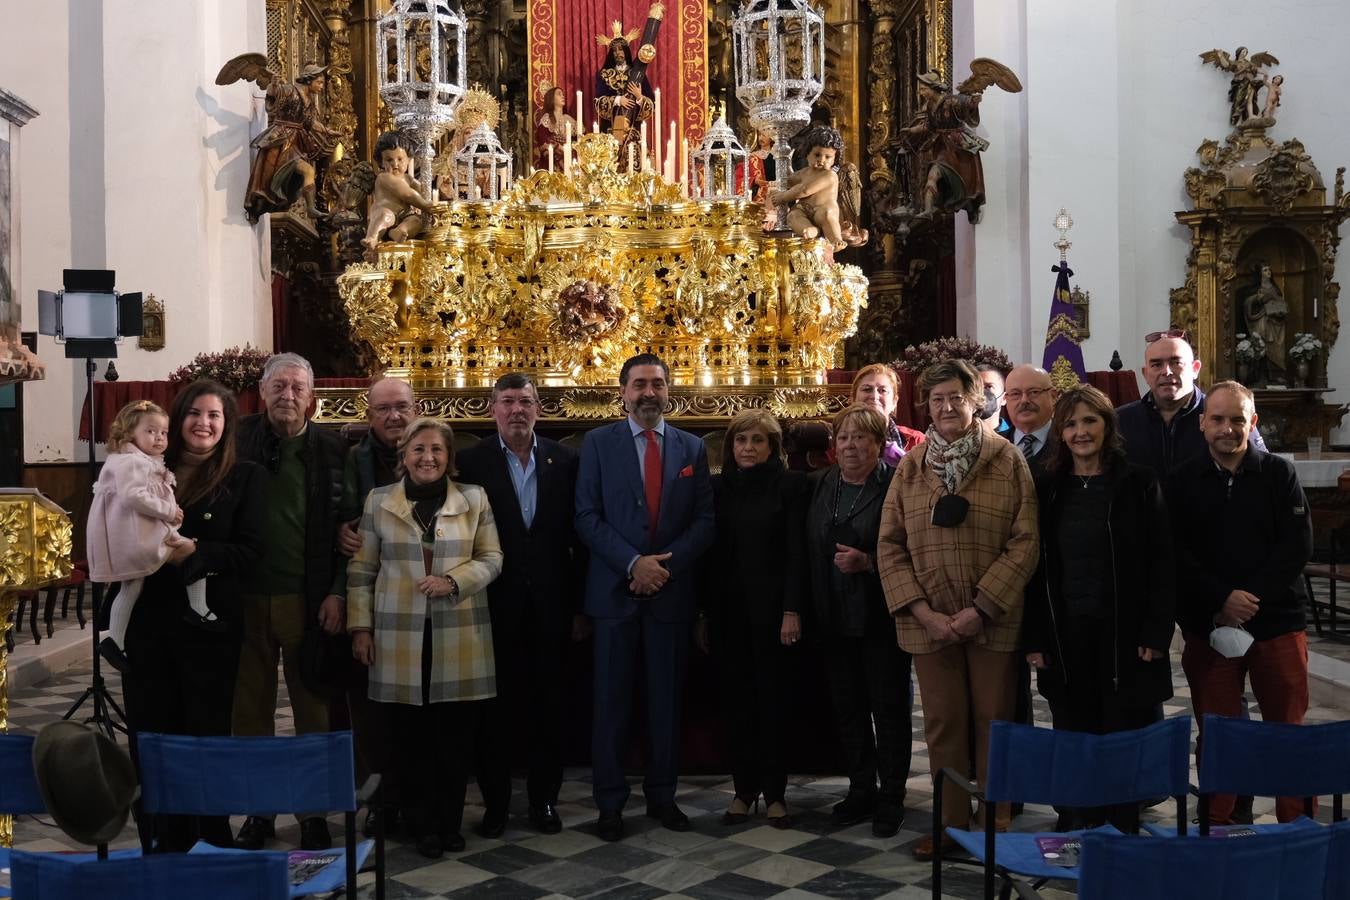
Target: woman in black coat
x,y
1099,609
757,570
869,675
182,673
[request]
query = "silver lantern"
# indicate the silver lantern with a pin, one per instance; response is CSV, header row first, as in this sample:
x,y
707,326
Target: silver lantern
x,y
482,169
420,57
717,163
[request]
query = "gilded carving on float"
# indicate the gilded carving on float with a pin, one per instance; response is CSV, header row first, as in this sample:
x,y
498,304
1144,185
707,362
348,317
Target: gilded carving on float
x,y
35,542
570,273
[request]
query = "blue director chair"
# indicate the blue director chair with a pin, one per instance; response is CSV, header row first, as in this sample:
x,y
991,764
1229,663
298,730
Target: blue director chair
x,y
1274,759
1067,768
214,776
1295,864
245,876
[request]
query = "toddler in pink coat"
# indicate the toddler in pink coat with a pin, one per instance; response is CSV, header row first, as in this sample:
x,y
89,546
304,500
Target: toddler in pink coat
x,y
133,521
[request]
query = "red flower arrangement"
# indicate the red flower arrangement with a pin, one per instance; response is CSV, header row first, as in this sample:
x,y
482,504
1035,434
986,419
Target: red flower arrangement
x,y
238,368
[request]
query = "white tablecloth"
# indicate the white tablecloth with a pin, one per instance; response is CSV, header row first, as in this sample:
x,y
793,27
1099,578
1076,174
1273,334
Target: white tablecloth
x,y
1319,473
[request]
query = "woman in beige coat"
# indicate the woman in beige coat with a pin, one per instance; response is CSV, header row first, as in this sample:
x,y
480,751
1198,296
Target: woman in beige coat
x,y
958,543
418,613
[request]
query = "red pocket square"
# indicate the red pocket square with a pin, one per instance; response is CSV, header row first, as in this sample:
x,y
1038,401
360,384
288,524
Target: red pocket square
x,y
687,472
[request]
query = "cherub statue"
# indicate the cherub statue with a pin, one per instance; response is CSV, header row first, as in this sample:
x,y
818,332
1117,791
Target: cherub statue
x,y
942,138
814,193
1274,87
397,197
296,141
1245,69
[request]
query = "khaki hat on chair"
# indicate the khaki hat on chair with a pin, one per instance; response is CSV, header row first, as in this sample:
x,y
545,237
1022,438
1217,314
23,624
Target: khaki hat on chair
x,y
87,781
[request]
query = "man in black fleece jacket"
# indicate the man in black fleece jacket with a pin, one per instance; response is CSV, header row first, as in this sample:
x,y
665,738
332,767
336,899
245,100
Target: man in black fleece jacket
x,y
1243,532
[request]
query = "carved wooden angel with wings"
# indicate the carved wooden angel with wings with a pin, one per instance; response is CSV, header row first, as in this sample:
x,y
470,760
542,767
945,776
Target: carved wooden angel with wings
x,y
1247,80
942,140
291,151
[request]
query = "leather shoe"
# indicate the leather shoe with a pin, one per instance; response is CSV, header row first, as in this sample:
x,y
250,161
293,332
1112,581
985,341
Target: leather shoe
x,y
373,818
113,655
493,825
314,835
853,809
546,819
923,850
254,833
452,841
429,845
671,817
609,826
887,819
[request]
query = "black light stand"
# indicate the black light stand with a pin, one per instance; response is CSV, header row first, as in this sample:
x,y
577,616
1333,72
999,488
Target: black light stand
x,y
89,316
105,707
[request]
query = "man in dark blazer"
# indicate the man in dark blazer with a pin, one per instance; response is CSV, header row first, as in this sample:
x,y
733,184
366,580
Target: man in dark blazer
x,y
645,511
531,483
1030,397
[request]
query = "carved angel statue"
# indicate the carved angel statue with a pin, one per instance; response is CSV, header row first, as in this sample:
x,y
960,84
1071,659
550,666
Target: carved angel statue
x,y
291,151
942,140
1247,80
816,190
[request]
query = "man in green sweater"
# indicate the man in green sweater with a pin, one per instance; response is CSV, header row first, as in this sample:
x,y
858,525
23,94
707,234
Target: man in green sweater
x,y
290,593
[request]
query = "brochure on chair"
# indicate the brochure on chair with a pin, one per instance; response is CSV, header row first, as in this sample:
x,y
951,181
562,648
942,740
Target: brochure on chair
x,y
1231,831
1061,852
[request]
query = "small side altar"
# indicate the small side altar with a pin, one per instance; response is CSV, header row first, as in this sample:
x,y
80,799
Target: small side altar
x,y
567,274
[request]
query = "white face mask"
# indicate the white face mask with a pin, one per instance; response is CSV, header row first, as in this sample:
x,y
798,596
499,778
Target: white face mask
x,y
1231,642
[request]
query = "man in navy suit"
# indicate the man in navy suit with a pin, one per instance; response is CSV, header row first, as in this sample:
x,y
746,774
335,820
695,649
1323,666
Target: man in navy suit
x,y
531,483
645,511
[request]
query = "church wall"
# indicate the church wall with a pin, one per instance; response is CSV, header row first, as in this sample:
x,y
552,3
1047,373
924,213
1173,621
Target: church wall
x,y
147,160
1116,102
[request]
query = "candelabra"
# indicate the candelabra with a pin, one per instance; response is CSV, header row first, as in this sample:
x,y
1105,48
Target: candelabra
x,y
421,61
780,72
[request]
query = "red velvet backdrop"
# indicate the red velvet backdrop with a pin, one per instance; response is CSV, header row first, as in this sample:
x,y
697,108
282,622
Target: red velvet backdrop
x,y
564,52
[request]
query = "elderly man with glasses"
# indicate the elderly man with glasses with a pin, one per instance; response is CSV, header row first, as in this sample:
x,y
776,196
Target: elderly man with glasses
x,y
1162,430
372,463
1030,397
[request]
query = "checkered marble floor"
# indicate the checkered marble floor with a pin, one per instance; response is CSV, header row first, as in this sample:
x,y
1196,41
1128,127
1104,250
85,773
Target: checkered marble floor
x,y
709,862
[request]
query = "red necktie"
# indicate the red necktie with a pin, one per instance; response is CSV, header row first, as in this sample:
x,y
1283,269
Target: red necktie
x,y
651,478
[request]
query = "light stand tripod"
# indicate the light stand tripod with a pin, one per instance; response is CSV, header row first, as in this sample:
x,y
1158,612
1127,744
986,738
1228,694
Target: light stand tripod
x,y
105,707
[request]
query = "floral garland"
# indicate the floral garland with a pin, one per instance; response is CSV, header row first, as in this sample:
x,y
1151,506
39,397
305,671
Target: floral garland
x,y
237,368
918,357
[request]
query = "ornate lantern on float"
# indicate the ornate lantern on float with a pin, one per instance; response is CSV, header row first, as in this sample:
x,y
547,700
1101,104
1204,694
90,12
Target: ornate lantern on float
x,y
780,72
718,161
482,169
421,61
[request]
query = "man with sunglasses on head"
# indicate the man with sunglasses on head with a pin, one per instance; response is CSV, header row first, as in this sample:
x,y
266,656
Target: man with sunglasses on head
x,y
1162,430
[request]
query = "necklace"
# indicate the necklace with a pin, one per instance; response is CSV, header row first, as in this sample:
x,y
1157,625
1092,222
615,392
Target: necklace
x,y
425,526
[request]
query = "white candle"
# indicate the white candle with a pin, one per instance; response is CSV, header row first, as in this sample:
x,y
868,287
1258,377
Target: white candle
x,y
550,159
631,151
684,166
595,126
580,120
656,134
567,151
644,145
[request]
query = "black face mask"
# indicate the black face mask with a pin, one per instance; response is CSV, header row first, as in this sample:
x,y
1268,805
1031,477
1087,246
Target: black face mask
x,y
990,404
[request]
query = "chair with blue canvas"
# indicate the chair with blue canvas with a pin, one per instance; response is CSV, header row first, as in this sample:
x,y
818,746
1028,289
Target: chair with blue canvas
x,y
1065,768
1298,864
213,776
1273,759
243,876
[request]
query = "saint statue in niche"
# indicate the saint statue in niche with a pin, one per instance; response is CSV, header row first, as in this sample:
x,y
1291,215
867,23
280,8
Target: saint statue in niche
x,y
1265,310
623,95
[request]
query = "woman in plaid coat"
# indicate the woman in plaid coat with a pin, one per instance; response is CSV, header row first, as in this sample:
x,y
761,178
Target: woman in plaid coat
x,y
418,613
957,544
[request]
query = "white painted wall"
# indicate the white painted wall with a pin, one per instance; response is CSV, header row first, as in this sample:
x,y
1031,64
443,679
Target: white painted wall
x,y
1116,102
138,162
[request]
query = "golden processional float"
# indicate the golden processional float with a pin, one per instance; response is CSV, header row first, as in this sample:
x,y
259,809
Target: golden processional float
x,y
566,272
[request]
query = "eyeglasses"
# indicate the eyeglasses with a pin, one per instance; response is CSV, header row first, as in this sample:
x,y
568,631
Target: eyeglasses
x,y
1169,333
385,410
1016,396
956,401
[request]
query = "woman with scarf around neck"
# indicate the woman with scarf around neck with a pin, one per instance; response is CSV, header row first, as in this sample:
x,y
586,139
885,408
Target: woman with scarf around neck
x,y
868,672
417,610
1100,606
182,676
755,572
957,544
